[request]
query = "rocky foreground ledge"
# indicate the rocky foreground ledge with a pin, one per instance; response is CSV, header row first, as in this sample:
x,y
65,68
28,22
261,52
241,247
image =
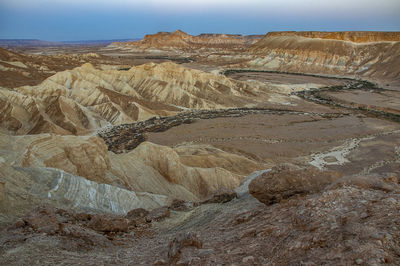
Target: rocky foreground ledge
x,y
309,217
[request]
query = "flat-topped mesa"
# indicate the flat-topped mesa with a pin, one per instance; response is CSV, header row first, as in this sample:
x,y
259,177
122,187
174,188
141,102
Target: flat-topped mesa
x,y
356,53
352,36
179,39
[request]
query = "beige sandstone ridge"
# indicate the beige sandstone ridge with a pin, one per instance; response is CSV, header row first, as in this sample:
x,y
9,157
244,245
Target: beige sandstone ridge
x,y
64,170
81,100
355,54
181,40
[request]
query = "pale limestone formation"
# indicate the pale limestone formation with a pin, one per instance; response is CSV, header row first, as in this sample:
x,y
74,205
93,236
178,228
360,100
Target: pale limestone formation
x,y
75,192
166,82
199,181
73,171
27,187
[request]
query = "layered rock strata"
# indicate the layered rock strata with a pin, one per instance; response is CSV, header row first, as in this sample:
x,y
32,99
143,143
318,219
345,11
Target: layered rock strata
x,y
181,40
366,54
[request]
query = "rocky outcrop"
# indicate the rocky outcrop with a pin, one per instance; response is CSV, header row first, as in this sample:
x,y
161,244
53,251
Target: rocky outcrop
x,y
135,214
181,205
286,181
43,219
109,223
73,230
181,40
353,54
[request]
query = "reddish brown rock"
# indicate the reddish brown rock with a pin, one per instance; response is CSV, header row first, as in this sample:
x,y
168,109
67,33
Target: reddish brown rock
x,y
188,239
43,219
82,216
181,205
109,223
65,216
89,236
221,196
2,191
283,182
158,214
137,214
387,183
18,224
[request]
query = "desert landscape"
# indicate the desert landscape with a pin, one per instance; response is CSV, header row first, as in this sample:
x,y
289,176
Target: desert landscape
x,y
209,149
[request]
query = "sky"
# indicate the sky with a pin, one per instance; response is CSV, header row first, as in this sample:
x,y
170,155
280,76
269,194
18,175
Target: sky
x,y
72,20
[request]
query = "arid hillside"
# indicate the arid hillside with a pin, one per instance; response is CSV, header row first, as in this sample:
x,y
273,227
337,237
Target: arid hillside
x,y
17,69
84,99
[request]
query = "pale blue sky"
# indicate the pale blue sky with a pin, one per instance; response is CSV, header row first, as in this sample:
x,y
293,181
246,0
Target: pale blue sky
x,y
57,20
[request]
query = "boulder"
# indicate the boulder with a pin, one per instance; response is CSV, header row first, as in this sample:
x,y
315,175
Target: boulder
x,y
285,181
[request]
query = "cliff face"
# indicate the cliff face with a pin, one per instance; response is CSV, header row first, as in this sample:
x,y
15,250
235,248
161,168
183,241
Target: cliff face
x,y
351,36
180,40
345,53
